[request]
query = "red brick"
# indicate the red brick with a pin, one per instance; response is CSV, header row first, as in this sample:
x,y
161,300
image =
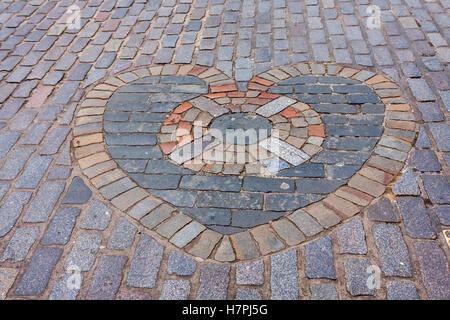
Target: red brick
x,y
167,147
224,88
183,107
317,130
183,129
173,118
289,112
197,70
262,81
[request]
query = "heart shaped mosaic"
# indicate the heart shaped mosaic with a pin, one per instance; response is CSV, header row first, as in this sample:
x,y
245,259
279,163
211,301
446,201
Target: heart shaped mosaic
x,y
234,174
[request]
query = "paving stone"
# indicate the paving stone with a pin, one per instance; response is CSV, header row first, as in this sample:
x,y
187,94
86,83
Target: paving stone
x,y
248,294
15,163
67,288
351,237
175,290
97,216
288,232
224,200
7,140
441,134
382,210
282,202
267,184
437,187
11,209
415,216
61,173
180,264
392,250
61,226
20,244
214,279
33,172
145,263
187,234
107,278
319,259
78,192
401,291
305,223
421,90
122,236
38,272
250,273
323,291
284,276
211,183
443,212
434,269
357,276
4,187
83,253
7,278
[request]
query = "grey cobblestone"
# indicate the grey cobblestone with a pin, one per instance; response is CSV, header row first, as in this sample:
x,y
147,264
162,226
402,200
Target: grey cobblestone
x,y
107,278
11,209
83,252
392,251
145,263
20,244
319,259
61,226
38,272
214,280
284,276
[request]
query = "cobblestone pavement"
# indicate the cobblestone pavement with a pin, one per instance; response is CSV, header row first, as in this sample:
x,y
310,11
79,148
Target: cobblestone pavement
x,y
99,198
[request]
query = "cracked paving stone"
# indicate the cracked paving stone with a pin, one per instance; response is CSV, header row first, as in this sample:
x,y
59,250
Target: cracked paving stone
x,y
107,278
145,263
38,272
180,264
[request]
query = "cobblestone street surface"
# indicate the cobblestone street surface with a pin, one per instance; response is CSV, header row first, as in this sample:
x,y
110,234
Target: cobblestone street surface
x,y
113,184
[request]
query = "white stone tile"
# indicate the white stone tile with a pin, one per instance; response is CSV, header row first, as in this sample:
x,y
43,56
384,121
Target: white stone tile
x,y
285,151
275,106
